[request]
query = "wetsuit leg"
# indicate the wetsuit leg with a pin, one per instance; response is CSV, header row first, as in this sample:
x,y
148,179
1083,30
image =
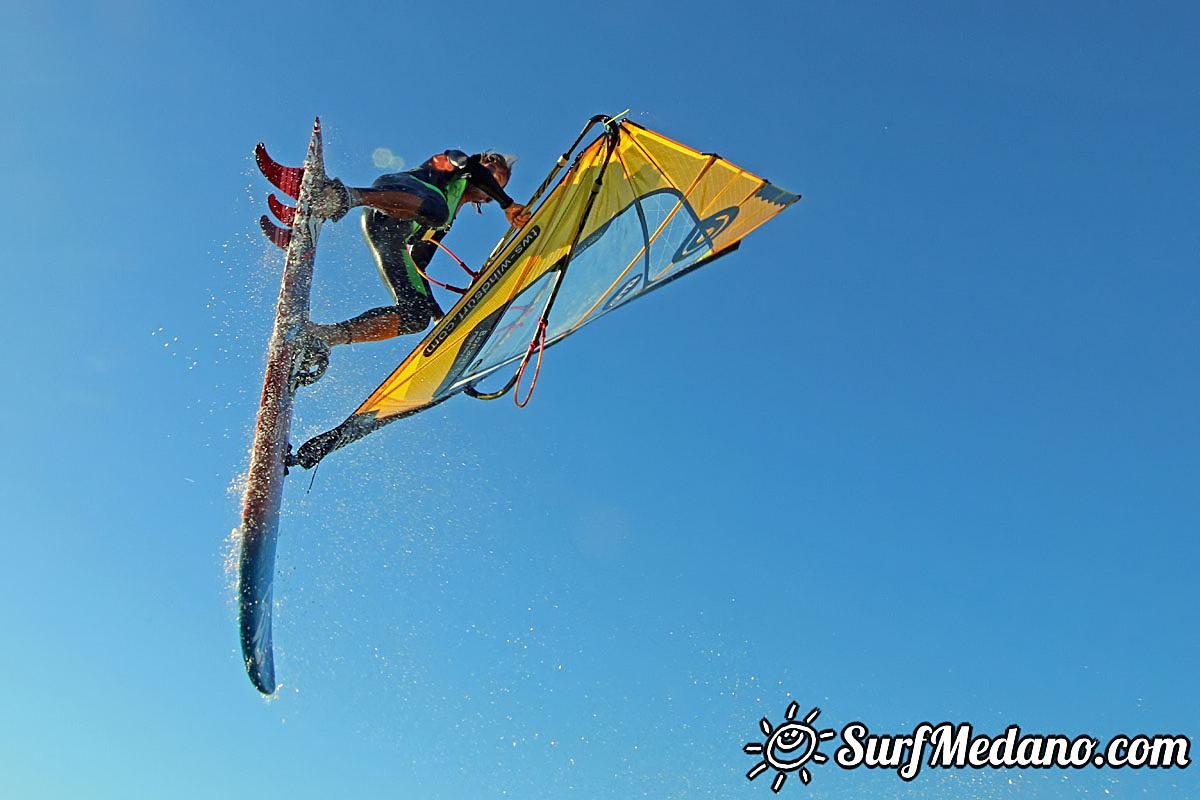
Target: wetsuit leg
x,y
387,237
429,204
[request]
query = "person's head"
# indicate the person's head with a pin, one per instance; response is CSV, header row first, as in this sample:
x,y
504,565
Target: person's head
x,y
501,166
501,169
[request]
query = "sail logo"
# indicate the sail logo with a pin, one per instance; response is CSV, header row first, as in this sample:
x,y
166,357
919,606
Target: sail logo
x,y
705,231
627,291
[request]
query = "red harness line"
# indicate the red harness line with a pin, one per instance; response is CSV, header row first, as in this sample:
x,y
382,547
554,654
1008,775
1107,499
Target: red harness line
x,y
538,342
460,290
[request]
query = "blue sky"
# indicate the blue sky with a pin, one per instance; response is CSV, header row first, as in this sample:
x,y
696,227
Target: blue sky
x,y
926,448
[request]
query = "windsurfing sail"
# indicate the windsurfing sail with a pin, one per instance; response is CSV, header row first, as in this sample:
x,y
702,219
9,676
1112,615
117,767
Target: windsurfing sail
x,y
634,211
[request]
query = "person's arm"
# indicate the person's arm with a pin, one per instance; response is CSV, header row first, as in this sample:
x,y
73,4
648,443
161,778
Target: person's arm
x,y
481,178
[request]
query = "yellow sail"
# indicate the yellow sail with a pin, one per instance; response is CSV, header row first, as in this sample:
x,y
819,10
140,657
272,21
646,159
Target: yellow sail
x,y
634,211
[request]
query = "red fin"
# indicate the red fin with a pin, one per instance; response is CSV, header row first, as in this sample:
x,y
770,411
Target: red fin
x,y
284,213
286,179
281,237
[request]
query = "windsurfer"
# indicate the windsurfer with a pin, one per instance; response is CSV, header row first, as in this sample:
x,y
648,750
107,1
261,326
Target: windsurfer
x,y
406,214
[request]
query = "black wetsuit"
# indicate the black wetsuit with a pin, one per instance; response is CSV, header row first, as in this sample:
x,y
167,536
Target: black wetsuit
x,y
390,238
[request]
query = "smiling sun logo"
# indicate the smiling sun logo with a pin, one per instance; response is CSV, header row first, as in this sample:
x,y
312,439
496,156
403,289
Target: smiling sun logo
x,y
789,747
